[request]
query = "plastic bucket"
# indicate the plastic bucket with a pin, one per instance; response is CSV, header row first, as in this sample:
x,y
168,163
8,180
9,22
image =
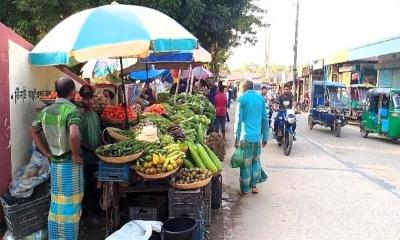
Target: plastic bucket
x,y
178,229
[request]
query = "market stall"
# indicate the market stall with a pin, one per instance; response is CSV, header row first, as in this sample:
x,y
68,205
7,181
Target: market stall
x,y
150,160
169,159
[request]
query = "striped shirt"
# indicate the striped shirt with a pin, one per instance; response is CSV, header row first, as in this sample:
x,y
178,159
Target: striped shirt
x,y
55,120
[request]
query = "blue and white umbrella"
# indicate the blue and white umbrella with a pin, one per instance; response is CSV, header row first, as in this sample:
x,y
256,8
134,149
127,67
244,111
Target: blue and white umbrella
x,y
115,30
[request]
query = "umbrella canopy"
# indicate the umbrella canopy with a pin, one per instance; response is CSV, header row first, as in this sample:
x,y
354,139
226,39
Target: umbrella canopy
x,y
178,60
102,67
150,74
115,30
198,72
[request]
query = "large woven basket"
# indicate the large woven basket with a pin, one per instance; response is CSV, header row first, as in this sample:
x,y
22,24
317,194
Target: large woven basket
x,y
123,159
157,176
114,134
191,186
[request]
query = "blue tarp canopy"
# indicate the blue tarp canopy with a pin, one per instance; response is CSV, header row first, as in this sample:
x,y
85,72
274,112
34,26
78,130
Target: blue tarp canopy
x,y
171,57
149,75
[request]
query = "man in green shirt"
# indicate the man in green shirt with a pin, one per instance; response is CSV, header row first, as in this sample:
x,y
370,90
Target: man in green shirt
x,y
60,126
90,132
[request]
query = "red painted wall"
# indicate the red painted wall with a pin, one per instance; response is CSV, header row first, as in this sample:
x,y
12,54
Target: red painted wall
x,y
7,34
5,150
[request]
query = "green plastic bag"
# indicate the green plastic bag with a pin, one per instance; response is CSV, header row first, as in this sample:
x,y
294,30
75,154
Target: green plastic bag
x,y
237,158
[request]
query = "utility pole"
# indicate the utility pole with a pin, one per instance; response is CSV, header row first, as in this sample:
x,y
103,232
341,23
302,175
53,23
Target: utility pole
x,y
267,49
295,51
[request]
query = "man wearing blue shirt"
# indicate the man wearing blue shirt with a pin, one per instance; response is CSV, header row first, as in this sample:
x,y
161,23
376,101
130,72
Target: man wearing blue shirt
x,y
251,131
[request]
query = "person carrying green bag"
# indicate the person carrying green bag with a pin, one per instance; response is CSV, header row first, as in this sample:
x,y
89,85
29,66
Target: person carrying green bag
x,y
251,132
237,158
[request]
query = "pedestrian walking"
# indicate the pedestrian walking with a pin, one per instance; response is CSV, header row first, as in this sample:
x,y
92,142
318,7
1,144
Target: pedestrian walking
x,y
220,110
228,105
213,93
60,124
251,131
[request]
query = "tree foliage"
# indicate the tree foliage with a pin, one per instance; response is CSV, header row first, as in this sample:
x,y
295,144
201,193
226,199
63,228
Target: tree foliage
x,y
218,24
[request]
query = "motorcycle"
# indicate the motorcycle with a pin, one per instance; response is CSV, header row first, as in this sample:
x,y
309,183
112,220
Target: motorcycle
x,y
283,132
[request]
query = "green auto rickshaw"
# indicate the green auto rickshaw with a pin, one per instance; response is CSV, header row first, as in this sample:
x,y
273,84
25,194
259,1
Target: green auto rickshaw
x,y
358,94
382,114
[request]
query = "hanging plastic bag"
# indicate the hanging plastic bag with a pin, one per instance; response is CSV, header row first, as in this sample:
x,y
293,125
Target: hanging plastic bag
x,y
38,235
29,176
237,158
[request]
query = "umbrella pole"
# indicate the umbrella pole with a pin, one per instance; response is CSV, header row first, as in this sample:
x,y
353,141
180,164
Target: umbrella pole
x,y
188,80
191,82
124,94
147,73
177,85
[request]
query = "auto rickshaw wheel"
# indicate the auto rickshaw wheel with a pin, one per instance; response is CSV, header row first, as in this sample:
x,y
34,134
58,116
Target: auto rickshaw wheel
x,y
337,130
364,132
310,122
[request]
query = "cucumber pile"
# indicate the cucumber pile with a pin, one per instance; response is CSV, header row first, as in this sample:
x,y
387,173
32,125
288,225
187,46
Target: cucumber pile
x,y
202,157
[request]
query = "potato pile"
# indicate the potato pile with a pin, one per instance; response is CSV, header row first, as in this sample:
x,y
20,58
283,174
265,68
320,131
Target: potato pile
x,y
187,176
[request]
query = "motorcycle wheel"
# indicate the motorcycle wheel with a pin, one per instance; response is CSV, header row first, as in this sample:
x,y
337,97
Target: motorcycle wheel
x,y
337,130
288,143
279,142
310,122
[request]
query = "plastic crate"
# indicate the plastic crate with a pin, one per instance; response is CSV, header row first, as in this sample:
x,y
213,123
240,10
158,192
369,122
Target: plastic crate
x,y
141,208
207,192
207,212
185,203
27,215
216,192
109,172
145,213
207,204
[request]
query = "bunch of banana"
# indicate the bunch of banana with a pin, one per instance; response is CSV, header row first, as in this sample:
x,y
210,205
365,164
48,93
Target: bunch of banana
x,y
161,160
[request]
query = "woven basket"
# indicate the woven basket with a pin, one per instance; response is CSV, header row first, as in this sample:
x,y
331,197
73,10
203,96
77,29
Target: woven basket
x,y
191,186
123,159
114,134
157,176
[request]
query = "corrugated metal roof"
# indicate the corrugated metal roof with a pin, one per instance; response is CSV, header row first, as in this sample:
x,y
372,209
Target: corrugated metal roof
x,y
329,83
386,46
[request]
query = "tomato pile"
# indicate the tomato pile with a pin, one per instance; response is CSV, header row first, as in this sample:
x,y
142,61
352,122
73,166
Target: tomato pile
x,y
53,96
157,109
117,112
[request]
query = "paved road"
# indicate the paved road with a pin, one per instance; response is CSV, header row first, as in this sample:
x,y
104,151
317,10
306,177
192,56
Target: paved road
x,y
328,188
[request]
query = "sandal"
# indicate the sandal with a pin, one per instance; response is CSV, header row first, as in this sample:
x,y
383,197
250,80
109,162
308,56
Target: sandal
x,y
241,194
254,190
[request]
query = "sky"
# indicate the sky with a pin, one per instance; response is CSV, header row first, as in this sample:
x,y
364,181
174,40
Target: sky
x,y
325,27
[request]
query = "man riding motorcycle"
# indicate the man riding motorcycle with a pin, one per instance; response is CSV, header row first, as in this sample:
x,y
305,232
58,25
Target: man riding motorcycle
x,y
285,102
